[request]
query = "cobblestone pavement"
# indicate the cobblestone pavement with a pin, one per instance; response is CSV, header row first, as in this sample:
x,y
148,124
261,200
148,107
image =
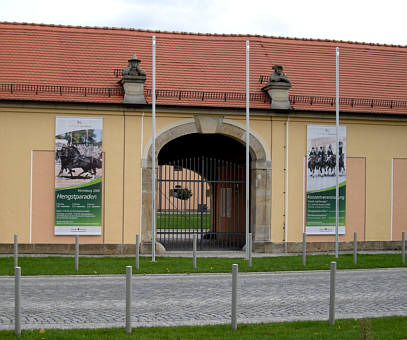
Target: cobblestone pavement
x,y
195,299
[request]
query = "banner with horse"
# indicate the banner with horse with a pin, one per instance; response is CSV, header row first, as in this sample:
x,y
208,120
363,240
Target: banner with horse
x,y
78,176
321,179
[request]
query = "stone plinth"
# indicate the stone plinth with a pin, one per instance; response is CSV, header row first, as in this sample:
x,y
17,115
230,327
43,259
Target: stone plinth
x,y
278,92
133,79
134,91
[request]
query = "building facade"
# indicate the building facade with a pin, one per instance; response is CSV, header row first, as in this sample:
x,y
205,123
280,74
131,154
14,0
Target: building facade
x,y
51,73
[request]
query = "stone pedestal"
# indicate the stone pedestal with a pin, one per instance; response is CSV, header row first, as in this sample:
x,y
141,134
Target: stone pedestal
x,y
278,92
133,79
134,91
146,248
147,203
261,201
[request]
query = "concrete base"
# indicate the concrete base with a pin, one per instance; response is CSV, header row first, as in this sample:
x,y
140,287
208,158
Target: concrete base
x,y
323,247
146,248
84,249
130,249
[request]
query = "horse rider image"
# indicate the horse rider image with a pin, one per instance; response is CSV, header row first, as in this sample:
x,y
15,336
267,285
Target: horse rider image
x,y
312,153
321,153
330,152
340,148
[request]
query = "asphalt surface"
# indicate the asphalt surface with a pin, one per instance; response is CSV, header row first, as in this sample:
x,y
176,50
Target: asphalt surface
x,y
198,299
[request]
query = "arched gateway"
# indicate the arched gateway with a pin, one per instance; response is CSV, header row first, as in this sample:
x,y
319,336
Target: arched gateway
x,y
201,185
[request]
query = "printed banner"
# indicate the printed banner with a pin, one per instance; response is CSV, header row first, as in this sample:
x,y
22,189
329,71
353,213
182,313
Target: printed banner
x,y
78,176
321,180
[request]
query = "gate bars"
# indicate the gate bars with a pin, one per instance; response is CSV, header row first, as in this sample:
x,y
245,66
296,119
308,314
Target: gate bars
x,y
201,196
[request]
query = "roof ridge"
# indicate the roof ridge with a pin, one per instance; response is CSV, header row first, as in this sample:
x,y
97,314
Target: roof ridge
x,y
232,35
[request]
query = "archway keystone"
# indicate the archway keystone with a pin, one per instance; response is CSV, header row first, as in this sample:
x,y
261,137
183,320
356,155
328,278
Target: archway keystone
x,y
208,124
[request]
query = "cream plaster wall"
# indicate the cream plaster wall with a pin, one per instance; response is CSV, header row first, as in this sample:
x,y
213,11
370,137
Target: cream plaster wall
x,y
26,129
297,140
23,130
132,188
260,125
113,146
377,141
19,134
278,129
399,198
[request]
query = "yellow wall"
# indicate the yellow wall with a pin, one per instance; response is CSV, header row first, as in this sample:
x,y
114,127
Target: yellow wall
x,y
19,134
278,179
377,141
132,178
25,129
113,146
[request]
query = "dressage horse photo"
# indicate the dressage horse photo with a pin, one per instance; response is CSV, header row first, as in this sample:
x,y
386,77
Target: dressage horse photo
x,y
325,166
71,158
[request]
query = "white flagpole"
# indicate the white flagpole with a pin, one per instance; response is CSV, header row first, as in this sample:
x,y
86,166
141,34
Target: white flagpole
x,y
337,157
153,162
247,146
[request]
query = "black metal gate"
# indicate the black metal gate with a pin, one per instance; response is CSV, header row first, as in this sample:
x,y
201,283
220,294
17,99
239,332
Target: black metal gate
x,y
201,196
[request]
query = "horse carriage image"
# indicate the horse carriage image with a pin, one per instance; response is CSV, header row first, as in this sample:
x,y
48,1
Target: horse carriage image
x,y
70,159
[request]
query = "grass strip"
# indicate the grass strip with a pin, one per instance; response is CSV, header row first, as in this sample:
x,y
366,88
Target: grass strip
x,y
387,328
183,221
164,265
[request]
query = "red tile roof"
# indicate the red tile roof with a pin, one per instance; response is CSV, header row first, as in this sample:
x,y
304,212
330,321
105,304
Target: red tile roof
x,y
77,64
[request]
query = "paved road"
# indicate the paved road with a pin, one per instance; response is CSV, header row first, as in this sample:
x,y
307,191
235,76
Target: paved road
x,y
98,301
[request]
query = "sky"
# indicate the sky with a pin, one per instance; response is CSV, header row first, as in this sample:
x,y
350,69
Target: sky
x,y
371,21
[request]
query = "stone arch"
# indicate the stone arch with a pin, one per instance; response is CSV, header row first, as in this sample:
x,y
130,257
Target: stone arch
x,y
260,167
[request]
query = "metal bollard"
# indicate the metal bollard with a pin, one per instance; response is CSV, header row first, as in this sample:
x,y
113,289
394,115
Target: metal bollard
x,y
137,252
15,251
17,300
76,252
235,270
332,294
304,249
128,298
194,250
403,247
355,247
250,249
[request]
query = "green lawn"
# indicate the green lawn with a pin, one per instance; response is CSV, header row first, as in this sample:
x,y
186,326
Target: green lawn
x,y
183,221
116,265
381,328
